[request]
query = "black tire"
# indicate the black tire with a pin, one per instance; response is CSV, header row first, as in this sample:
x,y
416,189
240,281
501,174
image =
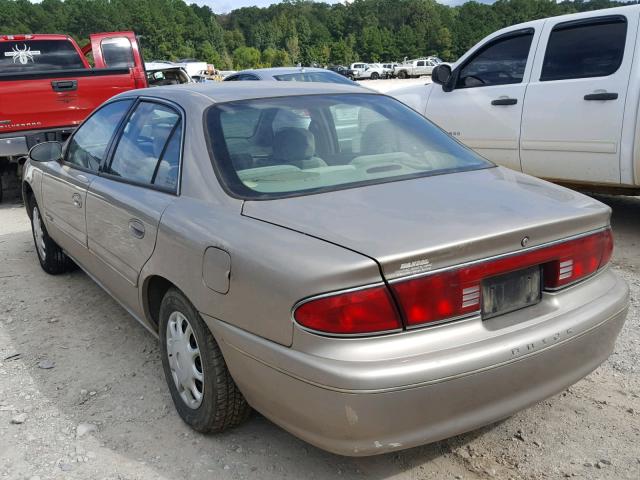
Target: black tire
x,y
53,261
375,76
403,74
222,405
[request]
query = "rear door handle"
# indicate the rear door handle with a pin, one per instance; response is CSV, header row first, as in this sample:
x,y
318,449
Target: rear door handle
x,y
136,227
601,96
504,101
64,85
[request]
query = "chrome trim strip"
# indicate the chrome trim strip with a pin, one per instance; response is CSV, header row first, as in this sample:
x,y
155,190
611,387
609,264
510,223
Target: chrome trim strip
x,y
496,257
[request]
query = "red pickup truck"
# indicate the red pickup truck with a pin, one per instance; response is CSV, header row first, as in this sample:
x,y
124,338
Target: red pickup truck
x,y
47,87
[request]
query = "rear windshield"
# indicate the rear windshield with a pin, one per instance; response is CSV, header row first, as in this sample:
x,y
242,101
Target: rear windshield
x,y
327,77
288,146
31,56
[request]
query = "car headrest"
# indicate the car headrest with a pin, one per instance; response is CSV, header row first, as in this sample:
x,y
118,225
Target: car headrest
x,y
293,144
378,138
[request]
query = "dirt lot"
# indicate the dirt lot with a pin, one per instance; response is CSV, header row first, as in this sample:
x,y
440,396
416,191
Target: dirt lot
x,y
82,396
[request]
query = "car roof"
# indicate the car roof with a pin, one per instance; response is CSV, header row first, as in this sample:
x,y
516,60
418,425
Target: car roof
x,y
270,72
218,92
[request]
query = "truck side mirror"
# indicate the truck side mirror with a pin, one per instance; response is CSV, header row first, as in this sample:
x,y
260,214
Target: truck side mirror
x,y
46,152
441,74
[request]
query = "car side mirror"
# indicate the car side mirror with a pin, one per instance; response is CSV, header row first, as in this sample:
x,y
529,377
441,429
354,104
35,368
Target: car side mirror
x,y
46,152
441,74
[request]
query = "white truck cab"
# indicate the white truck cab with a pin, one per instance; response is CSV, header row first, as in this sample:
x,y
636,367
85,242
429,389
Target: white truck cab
x,y
556,98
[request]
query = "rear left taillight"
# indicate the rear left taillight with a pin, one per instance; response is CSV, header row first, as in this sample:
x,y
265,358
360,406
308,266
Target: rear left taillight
x,y
453,293
369,310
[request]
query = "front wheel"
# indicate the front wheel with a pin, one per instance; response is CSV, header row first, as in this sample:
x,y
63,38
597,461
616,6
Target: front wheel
x,y
375,76
402,74
52,259
203,392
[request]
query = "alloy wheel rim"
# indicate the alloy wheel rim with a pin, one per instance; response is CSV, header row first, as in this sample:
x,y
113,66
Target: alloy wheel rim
x,y
185,361
39,234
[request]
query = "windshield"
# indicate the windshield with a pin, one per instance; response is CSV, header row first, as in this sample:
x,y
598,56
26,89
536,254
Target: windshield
x,y
30,56
287,146
327,77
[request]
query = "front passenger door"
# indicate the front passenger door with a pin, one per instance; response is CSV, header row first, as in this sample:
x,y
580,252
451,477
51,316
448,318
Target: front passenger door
x,y
65,184
482,104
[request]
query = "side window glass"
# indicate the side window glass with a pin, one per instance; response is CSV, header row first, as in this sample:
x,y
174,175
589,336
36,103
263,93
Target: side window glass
x,y
585,50
142,144
356,128
88,146
166,174
294,118
499,63
420,64
117,52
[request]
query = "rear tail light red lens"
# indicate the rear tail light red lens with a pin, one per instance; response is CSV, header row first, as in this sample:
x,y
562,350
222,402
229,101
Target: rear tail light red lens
x,y
452,293
457,292
360,311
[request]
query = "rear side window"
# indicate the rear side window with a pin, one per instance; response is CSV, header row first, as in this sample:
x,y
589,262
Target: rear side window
x,y
88,146
585,49
117,52
31,56
501,62
145,151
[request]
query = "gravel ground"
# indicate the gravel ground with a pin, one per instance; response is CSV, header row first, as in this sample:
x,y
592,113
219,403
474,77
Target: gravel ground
x,y
82,396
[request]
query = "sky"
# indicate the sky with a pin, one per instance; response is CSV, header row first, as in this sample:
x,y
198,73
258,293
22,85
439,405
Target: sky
x,y
224,6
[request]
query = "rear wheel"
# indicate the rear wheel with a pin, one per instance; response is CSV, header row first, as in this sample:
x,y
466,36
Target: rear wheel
x,y
203,392
375,76
52,259
403,74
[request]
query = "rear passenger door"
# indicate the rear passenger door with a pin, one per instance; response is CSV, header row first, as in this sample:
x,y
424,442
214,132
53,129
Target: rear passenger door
x,y
140,180
574,104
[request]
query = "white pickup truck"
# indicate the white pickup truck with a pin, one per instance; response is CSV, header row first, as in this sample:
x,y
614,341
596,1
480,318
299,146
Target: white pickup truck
x,y
363,71
556,98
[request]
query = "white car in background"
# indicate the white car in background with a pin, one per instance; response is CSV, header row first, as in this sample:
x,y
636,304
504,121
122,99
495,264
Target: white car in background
x,y
364,71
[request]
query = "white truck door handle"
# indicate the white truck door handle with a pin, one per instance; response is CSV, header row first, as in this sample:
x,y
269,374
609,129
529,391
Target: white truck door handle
x,y
504,101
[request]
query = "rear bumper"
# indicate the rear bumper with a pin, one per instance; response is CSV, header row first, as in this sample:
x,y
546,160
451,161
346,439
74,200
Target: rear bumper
x,y
19,143
446,401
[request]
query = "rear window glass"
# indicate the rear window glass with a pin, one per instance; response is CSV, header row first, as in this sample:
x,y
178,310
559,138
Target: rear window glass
x,y
313,77
31,56
288,146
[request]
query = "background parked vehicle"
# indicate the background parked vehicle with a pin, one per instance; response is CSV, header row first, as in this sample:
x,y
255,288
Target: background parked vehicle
x,y
389,69
47,87
289,74
556,98
363,71
342,70
160,74
467,295
416,68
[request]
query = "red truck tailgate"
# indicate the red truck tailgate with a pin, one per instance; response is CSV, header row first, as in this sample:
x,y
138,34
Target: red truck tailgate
x,y
60,99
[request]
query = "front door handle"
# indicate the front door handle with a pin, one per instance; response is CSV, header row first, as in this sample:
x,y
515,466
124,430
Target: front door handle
x,y
77,200
136,227
504,101
601,96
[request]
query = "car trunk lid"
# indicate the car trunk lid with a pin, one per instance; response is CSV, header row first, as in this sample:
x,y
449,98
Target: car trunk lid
x,y
424,224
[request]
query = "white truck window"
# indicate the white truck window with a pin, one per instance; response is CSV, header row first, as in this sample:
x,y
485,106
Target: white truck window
x,y
500,62
592,48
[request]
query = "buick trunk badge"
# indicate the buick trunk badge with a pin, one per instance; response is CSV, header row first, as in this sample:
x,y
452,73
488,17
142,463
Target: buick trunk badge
x,y
525,241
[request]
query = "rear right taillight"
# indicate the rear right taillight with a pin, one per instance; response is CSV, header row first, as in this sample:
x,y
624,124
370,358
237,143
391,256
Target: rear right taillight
x,y
368,310
457,292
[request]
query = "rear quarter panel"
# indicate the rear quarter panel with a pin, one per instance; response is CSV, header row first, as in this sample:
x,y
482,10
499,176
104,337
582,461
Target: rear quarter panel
x,y
272,268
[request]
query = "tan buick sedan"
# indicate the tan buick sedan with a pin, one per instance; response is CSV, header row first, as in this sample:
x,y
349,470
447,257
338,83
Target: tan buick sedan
x,y
329,257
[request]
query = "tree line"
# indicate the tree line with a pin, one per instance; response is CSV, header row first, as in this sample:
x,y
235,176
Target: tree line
x,y
287,33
